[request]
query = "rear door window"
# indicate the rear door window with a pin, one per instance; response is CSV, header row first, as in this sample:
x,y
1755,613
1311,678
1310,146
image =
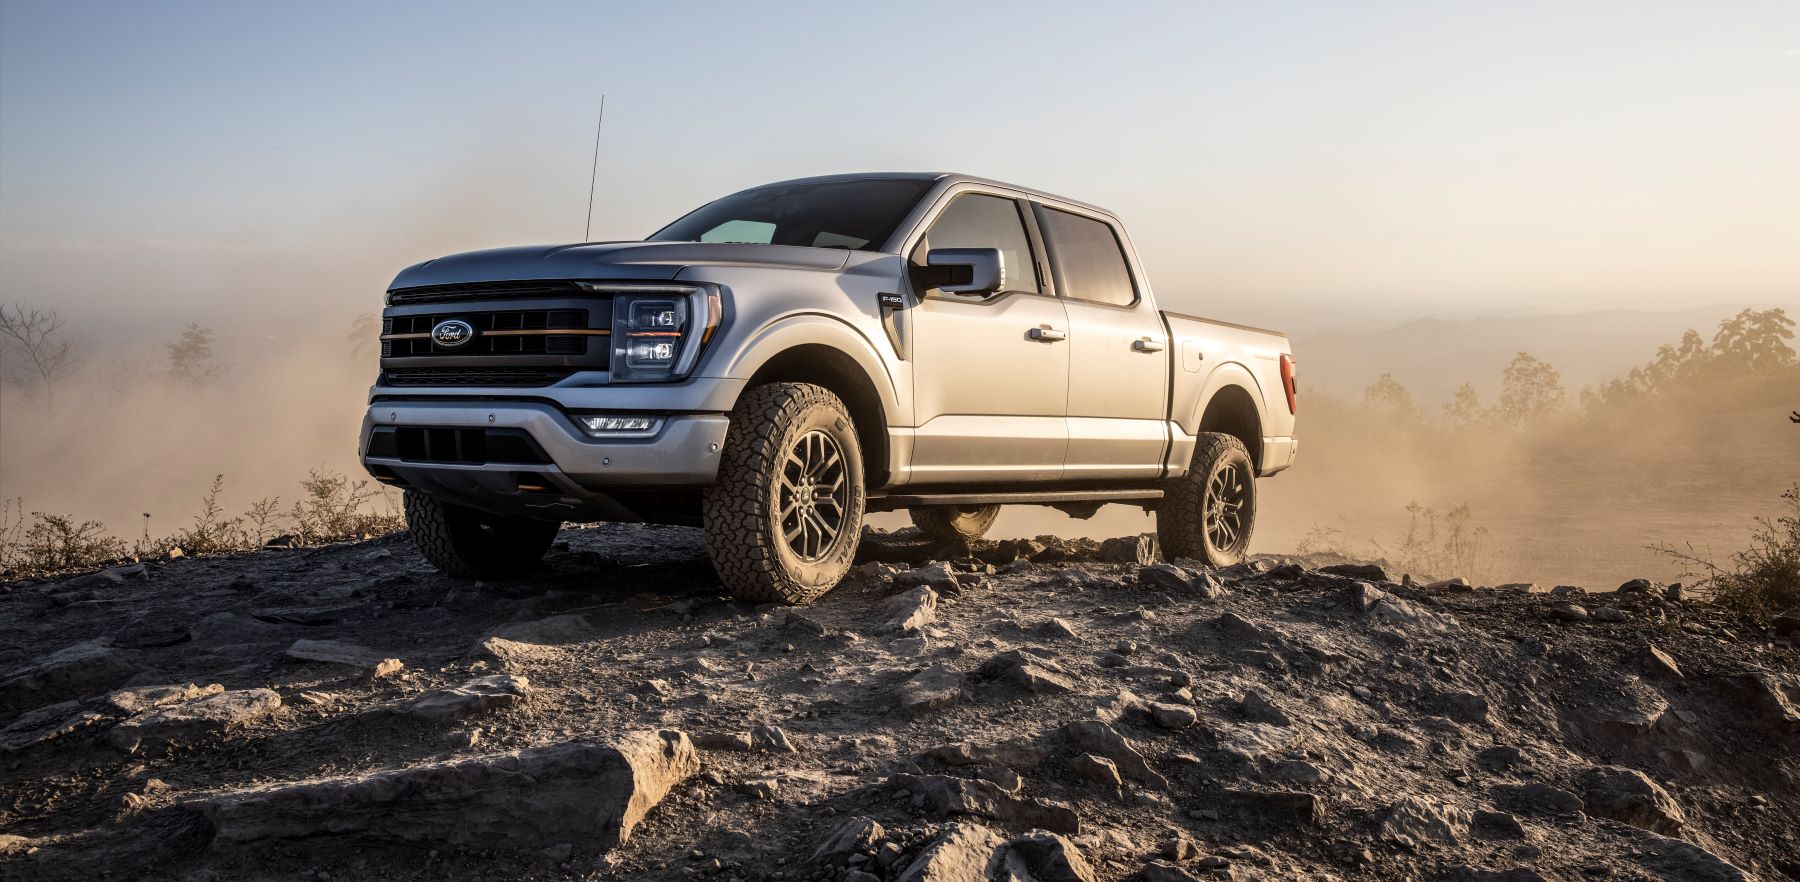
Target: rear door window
x,y
1090,263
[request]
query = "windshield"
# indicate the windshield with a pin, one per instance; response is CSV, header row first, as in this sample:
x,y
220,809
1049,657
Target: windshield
x,y
858,215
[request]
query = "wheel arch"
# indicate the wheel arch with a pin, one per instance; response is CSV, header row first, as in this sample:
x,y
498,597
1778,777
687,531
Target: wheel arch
x,y
803,358
1231,406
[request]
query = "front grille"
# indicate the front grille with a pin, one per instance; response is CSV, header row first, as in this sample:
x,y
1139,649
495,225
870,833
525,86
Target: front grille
x,y
482,291
509,332
472,376
462,446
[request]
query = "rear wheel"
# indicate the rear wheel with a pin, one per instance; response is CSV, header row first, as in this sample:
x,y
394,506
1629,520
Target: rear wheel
x,y
965,522
785,515
470,544
1208,513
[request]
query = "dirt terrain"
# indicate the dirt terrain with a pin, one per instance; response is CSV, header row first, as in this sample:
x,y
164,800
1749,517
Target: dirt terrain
x,y
1023,710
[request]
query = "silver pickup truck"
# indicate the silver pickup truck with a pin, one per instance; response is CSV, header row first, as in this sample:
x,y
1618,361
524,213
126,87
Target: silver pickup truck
x,y
780,362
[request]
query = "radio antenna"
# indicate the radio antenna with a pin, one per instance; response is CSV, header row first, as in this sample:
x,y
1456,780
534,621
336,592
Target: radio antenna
x,y
594,175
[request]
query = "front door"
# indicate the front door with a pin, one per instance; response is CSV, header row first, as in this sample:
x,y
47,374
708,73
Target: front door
x,y
991,372
1118,360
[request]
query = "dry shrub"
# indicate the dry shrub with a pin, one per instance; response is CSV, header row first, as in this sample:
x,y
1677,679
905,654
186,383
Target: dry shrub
x,y
333,508
1761,580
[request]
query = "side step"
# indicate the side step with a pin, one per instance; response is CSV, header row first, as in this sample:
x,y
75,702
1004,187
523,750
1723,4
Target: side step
x,y
1011,497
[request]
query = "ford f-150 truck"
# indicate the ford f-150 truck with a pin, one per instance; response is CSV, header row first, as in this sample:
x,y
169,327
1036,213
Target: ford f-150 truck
x,y
780,362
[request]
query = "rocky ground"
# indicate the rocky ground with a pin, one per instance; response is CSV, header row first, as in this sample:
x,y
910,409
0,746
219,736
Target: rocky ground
x,y
1046,711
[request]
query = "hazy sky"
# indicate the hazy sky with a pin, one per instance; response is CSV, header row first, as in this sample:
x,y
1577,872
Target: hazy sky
x,y
281,158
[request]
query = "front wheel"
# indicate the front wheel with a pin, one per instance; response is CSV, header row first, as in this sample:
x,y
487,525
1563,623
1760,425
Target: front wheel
x,y
470,544
1208,513
965,522
785,515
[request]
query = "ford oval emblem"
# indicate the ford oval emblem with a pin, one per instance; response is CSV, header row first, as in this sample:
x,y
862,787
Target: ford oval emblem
x,y
452,333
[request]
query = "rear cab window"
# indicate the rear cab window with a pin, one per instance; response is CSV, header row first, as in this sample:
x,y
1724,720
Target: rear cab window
x,y
1088,258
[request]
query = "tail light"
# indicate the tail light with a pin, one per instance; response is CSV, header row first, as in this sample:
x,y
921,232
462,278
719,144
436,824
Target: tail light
x,y
1287,381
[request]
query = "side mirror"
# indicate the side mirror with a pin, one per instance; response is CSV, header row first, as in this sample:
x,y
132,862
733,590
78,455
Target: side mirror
x,y
964,270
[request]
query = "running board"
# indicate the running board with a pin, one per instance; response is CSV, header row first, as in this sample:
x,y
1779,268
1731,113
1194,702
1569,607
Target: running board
x,y
1012,497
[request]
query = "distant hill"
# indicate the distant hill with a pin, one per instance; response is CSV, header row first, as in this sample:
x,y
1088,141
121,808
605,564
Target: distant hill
x,y
1432,356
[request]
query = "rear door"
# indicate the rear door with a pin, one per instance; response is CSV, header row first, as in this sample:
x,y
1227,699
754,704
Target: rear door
x,y
988,394
1118,359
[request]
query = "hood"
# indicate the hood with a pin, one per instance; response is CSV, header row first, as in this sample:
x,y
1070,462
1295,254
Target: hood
x,y
651,261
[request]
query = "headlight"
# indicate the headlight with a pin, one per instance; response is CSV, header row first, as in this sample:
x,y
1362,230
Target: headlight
x,y
658,330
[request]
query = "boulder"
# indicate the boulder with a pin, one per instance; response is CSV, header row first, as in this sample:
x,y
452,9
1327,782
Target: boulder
x,y
1658,663
1173,716
1259,709
1630,797
1362,572
771,739
71,672
1142,549
1673,858
1027,672
937,576
1569,612
1773,696
478,695
1101,739
853,836
1016,753
1417,822
510,653
1362,595
143,698
1404,615
199,717
964,852
1046,857
1277,806
1096,769
1536,798
964,796
49,723
1164,871
910,611
937,686
589,794
333,652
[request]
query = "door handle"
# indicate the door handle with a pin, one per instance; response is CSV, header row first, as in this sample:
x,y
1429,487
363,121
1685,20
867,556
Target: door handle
x,y
1047,334
1147,344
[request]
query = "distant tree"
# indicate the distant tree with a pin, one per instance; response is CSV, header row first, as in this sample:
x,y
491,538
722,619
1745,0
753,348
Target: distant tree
x,y
1465,408
36,336
1751,344
1529,391
190,356
1754,342
1387,394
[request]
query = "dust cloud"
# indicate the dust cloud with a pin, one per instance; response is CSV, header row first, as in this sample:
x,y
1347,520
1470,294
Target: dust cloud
x,y
1579,501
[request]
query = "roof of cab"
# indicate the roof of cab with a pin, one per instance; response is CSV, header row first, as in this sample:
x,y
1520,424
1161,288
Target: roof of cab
x,y
940,177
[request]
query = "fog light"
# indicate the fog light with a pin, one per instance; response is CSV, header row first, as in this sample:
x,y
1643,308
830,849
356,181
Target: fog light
x,y
617,425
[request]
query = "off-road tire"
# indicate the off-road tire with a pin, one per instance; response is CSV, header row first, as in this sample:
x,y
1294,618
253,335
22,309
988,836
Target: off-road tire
x,y
466,543
954,522
1182,518
741,509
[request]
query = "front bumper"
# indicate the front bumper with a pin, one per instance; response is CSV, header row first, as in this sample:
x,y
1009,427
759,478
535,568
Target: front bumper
x,y
577,473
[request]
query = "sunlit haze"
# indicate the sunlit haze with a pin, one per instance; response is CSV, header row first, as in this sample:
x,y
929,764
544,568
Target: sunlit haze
x,y
283,162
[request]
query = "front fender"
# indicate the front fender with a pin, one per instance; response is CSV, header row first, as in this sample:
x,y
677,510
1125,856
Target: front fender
x,y
804,328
